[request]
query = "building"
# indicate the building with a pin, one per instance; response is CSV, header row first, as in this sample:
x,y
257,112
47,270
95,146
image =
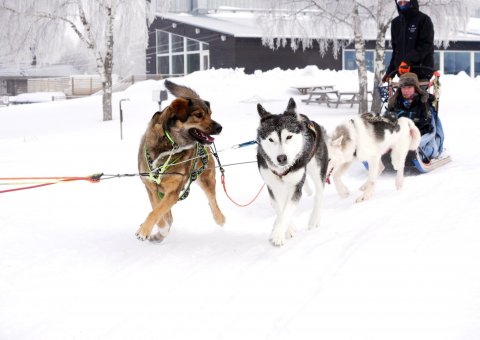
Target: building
x,y
15,80
213,37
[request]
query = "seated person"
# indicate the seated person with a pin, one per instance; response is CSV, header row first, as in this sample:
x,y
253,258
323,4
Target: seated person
x,y
412,102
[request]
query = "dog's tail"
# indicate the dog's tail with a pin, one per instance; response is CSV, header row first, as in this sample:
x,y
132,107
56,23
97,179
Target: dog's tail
x,y
180,90
415,135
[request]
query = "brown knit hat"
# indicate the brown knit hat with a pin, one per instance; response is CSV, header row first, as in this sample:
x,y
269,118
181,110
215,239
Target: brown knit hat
x,y
409,79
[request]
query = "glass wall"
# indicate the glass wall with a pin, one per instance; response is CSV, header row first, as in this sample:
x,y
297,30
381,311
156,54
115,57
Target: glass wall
x,y
178,55
477,64
454,62
349,59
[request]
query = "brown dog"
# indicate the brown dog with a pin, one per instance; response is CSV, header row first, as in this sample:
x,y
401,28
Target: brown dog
x,y
172,154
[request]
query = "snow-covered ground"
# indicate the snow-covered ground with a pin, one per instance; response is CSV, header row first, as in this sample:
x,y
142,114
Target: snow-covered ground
x,y
404,265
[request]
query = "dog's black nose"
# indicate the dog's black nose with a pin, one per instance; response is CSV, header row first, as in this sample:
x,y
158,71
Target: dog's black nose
x,y
282,159
217,128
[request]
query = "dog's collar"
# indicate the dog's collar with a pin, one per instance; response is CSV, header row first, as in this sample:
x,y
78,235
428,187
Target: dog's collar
x,y
283,173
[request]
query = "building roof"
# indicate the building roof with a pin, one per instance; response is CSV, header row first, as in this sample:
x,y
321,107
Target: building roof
x,y
29,71
247,24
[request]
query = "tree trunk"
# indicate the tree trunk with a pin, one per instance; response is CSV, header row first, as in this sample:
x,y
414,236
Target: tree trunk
x,y
360,61
379,67
108,68
107,97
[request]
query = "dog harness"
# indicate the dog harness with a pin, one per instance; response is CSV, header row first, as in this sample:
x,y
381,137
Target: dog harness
x,y
156,174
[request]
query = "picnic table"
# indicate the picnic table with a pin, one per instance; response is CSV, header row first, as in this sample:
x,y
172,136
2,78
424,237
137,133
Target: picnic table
x,y
349,97
307,89
321,96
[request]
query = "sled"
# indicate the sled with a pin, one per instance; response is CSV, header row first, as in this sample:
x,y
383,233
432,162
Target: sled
x,y
414,163
433,164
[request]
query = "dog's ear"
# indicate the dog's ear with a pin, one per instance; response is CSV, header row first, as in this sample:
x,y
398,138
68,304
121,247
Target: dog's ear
x,y
179,107
156,115
337,143
177,110
262,112
292,106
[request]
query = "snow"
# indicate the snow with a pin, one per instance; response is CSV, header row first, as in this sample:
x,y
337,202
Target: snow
x,y
403,265
37,97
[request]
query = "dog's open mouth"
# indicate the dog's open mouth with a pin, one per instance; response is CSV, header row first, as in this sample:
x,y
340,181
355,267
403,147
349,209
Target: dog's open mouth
x,y
200,136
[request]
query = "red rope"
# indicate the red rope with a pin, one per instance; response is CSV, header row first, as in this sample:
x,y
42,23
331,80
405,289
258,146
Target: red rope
x,y
91,179
238,204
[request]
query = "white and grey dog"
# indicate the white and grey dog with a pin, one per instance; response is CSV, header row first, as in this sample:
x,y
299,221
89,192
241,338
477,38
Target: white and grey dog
x,y
366,138
290,146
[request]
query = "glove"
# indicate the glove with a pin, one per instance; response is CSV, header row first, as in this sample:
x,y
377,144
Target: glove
x,y
385,78
403,68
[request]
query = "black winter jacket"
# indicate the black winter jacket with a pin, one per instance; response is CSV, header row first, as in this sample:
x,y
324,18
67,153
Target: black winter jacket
x,y
412,41
418,110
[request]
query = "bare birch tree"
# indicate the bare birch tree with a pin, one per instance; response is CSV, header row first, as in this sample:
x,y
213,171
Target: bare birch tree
x,y
39,28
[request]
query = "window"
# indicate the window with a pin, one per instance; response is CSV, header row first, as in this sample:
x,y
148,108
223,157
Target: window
x,y
193,45
477,64
177,64
162,42
163,65
177,43
349,59
350,64
178,55
193,62
455,62
436,60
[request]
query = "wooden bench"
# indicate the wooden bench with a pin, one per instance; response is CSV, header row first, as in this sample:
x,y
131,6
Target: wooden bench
x,y
348,98
321,96
307,89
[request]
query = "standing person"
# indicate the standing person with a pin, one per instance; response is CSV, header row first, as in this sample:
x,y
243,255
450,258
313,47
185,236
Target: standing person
x,y
412,41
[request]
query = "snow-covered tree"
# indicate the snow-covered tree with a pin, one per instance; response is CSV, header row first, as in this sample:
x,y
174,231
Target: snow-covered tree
x,y
337,23
40,28
332,23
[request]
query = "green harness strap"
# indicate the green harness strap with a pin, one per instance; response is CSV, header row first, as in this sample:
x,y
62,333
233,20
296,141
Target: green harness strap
x,y
156,174
200,152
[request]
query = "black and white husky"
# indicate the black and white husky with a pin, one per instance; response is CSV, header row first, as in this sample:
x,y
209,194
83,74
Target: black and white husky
x,y
290,146
366,138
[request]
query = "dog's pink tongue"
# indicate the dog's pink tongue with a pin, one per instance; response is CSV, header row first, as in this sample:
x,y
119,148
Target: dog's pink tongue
x,y
209,138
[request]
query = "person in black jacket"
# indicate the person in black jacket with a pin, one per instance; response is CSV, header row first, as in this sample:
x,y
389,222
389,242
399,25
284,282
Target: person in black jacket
x,y
412,41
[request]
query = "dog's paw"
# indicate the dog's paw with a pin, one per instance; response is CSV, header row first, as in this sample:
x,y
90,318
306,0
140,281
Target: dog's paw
x,y
157,238
291,232
277,238
220,219
342,189
141,234
399,183
362,198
